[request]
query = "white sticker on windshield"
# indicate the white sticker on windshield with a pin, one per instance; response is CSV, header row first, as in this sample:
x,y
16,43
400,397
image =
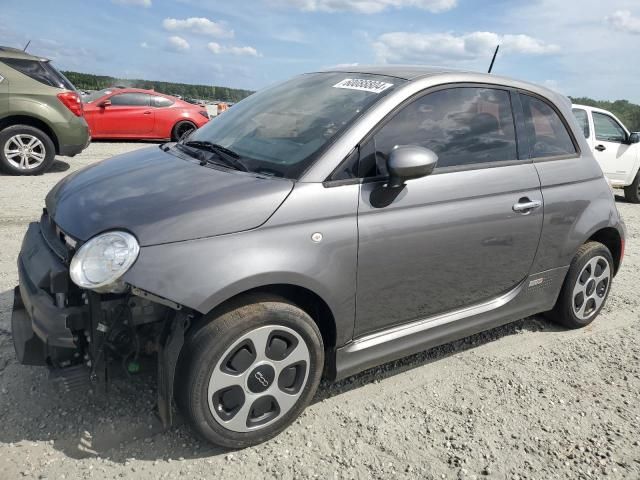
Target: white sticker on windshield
x,y
374,86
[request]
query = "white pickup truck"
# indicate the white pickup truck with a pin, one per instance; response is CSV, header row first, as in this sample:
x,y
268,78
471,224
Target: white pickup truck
x,y
616,149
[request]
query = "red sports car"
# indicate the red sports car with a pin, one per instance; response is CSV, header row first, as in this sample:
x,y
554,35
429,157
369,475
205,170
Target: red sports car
x,y
141,114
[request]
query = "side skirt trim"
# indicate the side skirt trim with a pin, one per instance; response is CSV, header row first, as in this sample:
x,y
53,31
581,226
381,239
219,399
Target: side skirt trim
x,y
405,330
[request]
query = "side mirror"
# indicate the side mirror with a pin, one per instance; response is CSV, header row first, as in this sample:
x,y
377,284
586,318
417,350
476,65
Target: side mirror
x,y
106,103
407,162
634,138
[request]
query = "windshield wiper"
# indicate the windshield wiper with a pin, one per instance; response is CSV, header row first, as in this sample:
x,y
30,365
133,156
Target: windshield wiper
x,y
229,157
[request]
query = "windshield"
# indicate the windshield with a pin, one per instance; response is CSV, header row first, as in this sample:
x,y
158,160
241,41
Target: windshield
x,y
280,130
96,95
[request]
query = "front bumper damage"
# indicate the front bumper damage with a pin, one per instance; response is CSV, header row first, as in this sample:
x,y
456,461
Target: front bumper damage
x,y
56,324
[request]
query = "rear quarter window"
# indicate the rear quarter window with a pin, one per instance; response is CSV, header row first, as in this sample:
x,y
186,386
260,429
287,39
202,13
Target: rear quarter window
x,y
40,71
160,102
548,135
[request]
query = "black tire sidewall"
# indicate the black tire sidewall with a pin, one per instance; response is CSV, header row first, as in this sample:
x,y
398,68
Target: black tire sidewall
x,y
206,347
631,193
50,150
564,308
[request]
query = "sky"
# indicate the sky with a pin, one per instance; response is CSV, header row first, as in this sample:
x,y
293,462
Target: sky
x,y
578,47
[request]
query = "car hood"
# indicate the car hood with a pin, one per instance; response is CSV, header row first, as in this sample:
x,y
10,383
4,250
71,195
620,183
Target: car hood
x,y
161,198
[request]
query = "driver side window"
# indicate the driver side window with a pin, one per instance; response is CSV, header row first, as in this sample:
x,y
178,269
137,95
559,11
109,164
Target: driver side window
x,y
463,126
607,129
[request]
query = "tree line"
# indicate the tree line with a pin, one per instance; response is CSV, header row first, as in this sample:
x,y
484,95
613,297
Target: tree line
x,y
627,112
88,81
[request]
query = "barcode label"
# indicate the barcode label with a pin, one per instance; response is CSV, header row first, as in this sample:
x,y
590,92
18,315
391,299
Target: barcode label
x,y
374,86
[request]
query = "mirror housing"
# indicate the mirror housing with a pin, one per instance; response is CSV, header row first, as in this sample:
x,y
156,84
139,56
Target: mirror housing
x,y
105,103
634,138
407,162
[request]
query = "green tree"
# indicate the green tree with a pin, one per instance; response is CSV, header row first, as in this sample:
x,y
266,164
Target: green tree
x,y
87,81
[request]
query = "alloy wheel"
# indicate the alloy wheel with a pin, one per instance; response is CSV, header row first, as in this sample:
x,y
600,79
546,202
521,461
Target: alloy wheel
x,y
259,378
591,287
24,151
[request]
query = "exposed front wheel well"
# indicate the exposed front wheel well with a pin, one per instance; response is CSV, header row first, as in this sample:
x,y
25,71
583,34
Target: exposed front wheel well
x,y
33,122
610,238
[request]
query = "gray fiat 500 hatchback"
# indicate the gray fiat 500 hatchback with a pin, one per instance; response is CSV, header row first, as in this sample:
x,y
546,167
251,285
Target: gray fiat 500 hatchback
x,y
331,223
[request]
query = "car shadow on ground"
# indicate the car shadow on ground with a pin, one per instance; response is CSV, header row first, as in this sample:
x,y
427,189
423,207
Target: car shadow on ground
x,y
621,199
122,424
56,167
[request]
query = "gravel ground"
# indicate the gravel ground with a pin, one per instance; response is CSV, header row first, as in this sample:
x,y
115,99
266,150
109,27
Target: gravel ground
x,y
525,401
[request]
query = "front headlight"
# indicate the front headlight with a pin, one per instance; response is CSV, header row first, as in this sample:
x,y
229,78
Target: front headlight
x,y
103,260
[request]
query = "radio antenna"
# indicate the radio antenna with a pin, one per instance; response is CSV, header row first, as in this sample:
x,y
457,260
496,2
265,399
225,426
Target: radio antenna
x,y
26,46
494,58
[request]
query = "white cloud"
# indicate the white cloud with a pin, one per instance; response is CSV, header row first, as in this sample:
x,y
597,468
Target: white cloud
x,y
398,47
214,47
217,49
178,44
249,51
137,3
624,21
366,6
199,25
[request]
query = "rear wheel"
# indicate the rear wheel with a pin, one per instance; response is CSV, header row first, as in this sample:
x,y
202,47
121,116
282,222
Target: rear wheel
x,y
246,375
586,287
632,192
181,130
25,150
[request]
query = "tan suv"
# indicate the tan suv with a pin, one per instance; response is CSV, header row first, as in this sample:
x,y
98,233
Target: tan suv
x,y
40,114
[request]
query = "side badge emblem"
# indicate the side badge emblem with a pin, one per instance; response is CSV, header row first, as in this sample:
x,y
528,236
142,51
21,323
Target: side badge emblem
x,y
316,237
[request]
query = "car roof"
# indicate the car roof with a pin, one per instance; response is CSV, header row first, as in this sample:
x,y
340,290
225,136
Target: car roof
x,y
416,72
405,72
115,90
10,52
589,107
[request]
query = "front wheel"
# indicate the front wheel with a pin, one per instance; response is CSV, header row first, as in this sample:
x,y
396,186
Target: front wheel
x,y
632,192
586,286
247,374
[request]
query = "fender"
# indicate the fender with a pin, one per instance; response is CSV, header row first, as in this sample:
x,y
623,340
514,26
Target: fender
x,y
202,273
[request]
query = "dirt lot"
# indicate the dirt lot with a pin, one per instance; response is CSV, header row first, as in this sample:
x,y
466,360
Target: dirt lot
x,y
526,401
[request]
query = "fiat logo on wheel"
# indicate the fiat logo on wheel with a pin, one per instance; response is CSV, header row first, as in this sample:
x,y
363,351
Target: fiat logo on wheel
x,y
263,381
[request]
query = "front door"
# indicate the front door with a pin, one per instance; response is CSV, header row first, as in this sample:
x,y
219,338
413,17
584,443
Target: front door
x,y
615,156
454,238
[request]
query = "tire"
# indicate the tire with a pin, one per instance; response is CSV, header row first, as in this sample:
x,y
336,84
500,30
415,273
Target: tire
x,y
182,129
586,287
39,150
232,395
632,192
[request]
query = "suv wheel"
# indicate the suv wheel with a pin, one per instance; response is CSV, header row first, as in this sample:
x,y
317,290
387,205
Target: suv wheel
x,y
246,375
632,192
586,287
25,150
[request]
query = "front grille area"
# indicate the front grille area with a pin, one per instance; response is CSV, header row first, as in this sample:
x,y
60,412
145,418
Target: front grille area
x,y
54,238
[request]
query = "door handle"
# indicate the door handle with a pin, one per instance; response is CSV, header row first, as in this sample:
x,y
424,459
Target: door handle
x,y
147,112
525,205
601,148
